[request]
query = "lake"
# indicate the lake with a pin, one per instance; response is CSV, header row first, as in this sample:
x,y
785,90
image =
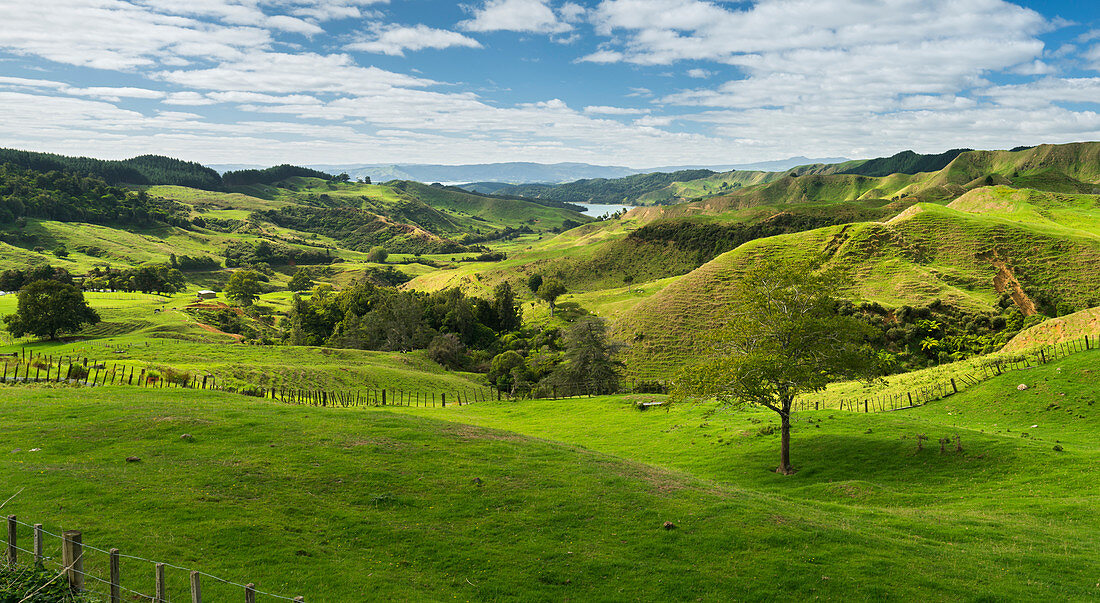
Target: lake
x,y
598,209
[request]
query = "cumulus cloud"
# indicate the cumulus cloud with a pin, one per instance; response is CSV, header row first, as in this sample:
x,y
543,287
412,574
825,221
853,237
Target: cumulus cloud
x,y
395,40
518,15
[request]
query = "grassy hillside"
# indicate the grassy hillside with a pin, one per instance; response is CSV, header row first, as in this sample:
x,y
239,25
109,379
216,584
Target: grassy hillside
x,y
929,252
571,495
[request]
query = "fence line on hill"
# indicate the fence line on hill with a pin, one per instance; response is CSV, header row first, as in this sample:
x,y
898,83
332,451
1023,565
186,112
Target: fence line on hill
x,y
71,567
939,390
85,371
81,372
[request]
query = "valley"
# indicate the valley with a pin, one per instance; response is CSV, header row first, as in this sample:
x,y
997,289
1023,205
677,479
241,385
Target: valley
x,y
547,483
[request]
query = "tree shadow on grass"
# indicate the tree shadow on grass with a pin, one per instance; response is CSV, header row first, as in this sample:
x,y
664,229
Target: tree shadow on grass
x,y
889,463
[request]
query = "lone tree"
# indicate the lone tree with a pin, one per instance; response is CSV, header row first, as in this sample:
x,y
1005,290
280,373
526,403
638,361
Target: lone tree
x,y
378,254
549,291
243,287
48,308
784,338
589,358
300,281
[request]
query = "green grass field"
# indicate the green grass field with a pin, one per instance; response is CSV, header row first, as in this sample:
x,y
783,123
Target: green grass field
x,y
346,504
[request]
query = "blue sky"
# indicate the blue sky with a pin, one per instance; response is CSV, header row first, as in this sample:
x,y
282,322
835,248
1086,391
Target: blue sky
x,y
620,82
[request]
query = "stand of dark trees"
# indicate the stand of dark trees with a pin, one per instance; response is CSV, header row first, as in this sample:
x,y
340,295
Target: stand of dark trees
x,y
242,253
69,197
459,331
709,240
15,279
914,337
145,169
905,162
272,175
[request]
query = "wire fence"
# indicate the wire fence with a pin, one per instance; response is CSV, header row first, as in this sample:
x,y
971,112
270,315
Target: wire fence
x,y
951,385
86,568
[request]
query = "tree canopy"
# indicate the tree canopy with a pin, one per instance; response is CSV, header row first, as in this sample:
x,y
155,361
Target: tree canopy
x,y
784,338
47,308
243,287
549,291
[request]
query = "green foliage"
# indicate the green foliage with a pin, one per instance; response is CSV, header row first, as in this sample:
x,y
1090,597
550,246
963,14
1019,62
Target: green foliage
x,y
69,197
14,280
448,351
48,308
505,308
272,175
243,253
589,365
243,287
35,584
905,162
784,338
549,291
377,254
534,282
709,240
147,278
300,281
145,169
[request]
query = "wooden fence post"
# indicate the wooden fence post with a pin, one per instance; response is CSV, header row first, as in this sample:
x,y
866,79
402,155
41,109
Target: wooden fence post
x,y
38,543
250,593
196,588
116,578
72,558
953,386
444,394
161,595
13,552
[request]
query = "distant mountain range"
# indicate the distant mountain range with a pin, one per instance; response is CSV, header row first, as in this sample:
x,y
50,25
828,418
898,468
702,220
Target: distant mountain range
x,y
520,172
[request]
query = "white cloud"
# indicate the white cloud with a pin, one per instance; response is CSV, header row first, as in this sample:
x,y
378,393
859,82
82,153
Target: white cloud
x,y
1043,92
605,110
395,40
1092,55
653,121
114,94
571,12
124,37
1035,67
517,15
284,73
701,74
192,99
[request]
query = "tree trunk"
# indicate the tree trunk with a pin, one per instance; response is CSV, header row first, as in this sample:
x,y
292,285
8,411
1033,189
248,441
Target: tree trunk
x,y
785,440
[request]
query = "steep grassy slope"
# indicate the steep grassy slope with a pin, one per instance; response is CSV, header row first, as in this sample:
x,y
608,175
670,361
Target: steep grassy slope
x,y
928,252
1071,327
571,495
